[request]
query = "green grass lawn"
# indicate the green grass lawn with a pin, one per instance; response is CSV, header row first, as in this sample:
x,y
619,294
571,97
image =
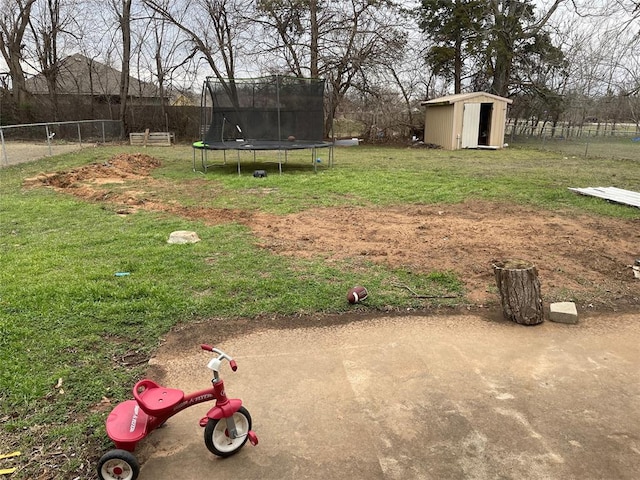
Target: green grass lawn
x,y
65,314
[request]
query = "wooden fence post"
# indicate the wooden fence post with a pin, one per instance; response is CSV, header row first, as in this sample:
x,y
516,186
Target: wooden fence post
x,y
519,288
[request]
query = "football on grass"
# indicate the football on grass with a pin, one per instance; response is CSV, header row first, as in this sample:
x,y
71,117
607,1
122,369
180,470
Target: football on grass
x,y
357,294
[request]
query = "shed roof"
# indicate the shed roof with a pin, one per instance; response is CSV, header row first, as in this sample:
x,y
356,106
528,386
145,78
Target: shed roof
x,y
80,75
451,99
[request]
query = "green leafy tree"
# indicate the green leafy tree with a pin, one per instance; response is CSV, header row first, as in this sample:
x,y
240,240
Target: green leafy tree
x,y
456,29
489,42
515,33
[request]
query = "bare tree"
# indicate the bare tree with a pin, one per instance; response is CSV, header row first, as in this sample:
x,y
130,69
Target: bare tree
x,y
50,21
602,67
165,52
338,40
291,31
408,75
216,29
14,20
122,10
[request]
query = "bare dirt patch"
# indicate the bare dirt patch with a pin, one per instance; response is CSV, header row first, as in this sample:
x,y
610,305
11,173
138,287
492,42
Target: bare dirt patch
x,y
585,255
582,258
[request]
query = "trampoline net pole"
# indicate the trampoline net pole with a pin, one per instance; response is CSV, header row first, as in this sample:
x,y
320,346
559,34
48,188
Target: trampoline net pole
x,y
279,124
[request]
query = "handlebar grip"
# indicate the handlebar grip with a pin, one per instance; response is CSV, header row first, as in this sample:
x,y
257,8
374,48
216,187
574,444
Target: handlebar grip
x,y
206,347
234,365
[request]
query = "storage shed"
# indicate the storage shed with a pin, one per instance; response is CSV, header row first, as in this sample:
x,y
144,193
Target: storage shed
x,y
466,120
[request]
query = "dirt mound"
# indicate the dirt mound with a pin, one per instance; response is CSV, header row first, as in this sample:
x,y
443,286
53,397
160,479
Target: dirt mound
x,y
85,182
116,170
581,258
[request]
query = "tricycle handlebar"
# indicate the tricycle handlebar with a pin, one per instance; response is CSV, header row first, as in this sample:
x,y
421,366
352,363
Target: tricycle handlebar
x,y
221,356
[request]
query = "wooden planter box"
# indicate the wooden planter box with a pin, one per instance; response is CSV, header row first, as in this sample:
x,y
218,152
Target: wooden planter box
x,y
151,139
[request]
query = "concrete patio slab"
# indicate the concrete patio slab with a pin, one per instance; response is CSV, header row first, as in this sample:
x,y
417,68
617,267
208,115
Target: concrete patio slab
x,y
434,397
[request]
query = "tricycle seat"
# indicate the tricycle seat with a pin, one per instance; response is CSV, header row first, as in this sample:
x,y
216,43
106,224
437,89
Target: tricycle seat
x,y
156,400
126,425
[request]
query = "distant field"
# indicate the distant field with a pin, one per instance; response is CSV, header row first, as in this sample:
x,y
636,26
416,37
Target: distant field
x,y
623,148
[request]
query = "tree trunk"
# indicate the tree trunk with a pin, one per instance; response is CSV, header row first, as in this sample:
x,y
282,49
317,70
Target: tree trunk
x,y
125,27
457,65
519,288
315,35
14,20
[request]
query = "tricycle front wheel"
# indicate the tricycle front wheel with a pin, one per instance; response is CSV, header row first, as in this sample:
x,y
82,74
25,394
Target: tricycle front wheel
x,y
118,465
217,437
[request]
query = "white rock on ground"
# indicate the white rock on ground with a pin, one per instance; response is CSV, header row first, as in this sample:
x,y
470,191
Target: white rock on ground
x,y
563,312
183,236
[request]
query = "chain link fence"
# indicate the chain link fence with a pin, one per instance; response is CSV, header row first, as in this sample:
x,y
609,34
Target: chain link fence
x,y
27,142
620,141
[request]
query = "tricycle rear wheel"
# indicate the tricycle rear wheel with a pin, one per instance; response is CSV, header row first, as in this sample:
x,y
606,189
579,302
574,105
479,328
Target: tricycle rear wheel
x,y
118,465
216,435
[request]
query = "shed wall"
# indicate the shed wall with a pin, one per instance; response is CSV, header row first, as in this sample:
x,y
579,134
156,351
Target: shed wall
x,y
498,124
458,115
438,126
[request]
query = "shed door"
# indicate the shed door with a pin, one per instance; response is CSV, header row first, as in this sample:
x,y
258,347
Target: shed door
x,y
470,125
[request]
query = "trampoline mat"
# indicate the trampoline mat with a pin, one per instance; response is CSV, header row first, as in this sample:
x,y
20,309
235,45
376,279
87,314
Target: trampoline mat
x,y
262,145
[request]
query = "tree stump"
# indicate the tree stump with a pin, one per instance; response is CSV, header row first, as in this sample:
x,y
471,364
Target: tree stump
x,y
519,288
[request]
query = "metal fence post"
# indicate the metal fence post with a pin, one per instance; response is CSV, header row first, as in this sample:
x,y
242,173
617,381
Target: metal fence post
x,y
4,148
586,148
46,128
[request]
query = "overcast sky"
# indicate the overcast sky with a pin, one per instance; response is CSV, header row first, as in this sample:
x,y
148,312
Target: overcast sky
x,y
565,16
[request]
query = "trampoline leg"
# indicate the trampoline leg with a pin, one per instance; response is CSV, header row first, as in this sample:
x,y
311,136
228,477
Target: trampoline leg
x,y
313,160
201,161
238,162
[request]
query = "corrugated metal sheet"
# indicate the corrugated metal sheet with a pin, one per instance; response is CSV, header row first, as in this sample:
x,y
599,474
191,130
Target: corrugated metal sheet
x,y
613,194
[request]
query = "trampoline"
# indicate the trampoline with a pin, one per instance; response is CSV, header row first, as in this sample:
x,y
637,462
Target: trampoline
x,y
275,113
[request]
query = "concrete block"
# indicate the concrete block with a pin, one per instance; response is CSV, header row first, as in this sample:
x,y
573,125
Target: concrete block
x,y
563,312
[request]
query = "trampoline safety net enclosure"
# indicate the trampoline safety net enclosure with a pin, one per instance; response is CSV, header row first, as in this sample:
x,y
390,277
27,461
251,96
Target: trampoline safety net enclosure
x,y
269,113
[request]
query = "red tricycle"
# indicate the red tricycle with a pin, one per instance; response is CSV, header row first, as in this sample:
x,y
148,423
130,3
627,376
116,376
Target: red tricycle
x,y
227,425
